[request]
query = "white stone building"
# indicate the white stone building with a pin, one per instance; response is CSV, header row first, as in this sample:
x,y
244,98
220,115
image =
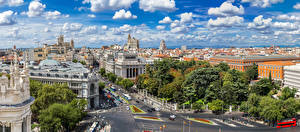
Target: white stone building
x,y
79,79
15,100
124,64
292,77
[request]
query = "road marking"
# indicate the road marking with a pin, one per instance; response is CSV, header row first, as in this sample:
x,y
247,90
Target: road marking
x,y
228,124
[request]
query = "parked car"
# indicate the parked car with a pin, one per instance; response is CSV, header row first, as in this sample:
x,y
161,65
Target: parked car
x,y
137,101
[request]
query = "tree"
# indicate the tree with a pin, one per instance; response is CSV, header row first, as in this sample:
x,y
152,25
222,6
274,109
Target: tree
x,y
198,81
270,109
198,105
101,86
75,60
262,87
151,86
287,93
35,86
111,77
223,66
118,81
102,72
216,106
83,62
50,94
252,72
61,117
252,105
126,83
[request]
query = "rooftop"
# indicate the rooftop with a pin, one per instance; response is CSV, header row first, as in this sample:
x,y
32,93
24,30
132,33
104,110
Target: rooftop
x,y
279,63
255,57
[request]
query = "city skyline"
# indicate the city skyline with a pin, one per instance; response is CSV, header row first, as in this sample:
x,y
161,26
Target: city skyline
x,y
93,23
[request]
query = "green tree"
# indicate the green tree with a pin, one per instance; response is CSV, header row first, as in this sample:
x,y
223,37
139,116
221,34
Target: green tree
x,y
83,62
223,66
287,93
262,87
198,105
75,60
216,106
126,83
270,109
102,72
35,86
151,86
198,81
252,72
61,117
50,94
111,77
253,105
101,86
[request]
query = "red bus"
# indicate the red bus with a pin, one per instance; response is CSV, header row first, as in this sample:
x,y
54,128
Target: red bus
x,y
291,123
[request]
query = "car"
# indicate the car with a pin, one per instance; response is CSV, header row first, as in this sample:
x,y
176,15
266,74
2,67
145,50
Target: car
x,y
150,110
137,101
172,117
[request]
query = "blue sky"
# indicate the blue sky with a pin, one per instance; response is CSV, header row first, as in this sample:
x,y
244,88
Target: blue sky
x,y
205,23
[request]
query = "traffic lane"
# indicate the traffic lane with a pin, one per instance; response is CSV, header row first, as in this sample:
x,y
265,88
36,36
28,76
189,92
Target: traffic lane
x,y
121,121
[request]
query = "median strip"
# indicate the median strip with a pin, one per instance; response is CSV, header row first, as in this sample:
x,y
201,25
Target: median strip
x,y
148,118
204,121
136,110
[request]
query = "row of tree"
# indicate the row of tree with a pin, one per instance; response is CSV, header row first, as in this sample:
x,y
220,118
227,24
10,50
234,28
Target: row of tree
x,y
56,107
186,82
125,83
270,109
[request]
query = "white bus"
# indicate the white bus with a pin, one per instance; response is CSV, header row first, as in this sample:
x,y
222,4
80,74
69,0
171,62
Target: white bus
x,y
126,96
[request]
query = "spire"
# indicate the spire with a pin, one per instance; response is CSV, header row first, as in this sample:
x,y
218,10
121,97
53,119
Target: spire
x,y
129,37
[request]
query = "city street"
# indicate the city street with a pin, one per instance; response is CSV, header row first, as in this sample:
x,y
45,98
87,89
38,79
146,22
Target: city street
x,y
123,120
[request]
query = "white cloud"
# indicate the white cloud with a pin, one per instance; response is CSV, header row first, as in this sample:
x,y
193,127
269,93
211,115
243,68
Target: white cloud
x,y
123,29
52,15
186,17
35,8
297,6
262,3
157,5
175,23
11,3
226,9
46,30
122,14
89,30
226,21
286,25
72,27
180,29
100,5
259,23
7,18
288,18
160,27
166,20
91,15
104,27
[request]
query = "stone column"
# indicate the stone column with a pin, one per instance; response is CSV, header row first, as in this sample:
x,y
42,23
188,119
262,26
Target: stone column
x,y
17,126
28,122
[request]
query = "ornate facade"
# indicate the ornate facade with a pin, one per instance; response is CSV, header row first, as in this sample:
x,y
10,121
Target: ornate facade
x,y
132,44
15,99
57,51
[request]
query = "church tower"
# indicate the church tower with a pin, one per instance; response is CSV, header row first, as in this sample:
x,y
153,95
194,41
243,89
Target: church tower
x,y
15,99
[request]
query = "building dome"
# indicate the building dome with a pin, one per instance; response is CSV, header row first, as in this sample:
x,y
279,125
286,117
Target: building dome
x,y
49,63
